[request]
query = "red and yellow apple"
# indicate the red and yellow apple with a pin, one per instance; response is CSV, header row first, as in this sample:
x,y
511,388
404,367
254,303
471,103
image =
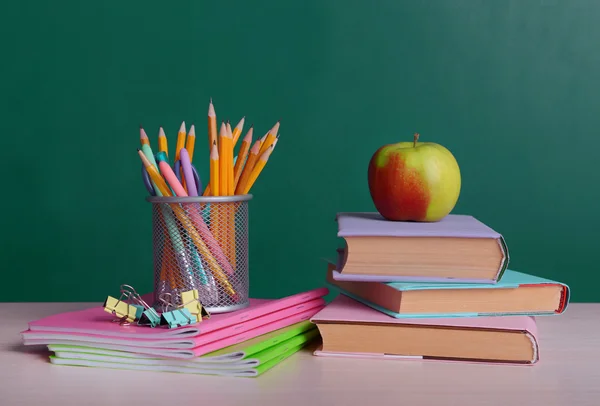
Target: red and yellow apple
x,y
414,181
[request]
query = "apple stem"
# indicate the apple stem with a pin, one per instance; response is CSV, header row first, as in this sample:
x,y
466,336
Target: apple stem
x,y
415,139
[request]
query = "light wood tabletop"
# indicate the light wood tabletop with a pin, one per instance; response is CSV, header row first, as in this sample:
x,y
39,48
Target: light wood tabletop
x,y
568,374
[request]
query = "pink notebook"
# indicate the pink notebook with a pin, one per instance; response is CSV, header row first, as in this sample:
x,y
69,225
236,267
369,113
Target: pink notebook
x,y
214,343
178,342
346,311
97,322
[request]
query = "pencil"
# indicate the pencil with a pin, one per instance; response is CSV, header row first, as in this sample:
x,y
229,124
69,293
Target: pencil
x,y
155,175
212,125
237,170
228,127
191,142
260,164
144,137
262,140
237,131
225,161
250,162
229,153
180,140
271,135
163,145
214,169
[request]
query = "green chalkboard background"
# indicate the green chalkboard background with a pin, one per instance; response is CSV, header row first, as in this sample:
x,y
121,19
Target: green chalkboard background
x,y
512,88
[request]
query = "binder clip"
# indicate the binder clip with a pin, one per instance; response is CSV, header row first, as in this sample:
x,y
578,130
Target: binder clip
x,y
177,317
190,300
126,312
146,315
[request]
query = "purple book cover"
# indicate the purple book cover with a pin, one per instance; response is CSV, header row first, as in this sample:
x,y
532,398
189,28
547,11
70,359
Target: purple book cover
x,y
372,224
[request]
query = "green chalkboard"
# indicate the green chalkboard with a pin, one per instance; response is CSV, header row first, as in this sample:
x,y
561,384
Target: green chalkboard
x,y
512,88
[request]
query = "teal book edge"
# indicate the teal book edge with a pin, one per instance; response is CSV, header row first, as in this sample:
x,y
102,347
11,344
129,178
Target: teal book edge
x,y
510,279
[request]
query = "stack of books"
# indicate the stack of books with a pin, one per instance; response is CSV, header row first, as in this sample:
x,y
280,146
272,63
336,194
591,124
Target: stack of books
x,y
244,343
438,290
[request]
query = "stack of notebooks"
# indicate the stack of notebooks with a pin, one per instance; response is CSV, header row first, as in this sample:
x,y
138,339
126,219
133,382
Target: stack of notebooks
x,y
438,290
243,343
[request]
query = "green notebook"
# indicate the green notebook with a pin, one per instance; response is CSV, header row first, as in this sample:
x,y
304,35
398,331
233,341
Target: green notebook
x,y
254,364
238,354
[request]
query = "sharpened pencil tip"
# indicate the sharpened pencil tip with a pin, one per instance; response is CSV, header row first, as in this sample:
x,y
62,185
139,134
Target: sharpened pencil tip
x,y
141,127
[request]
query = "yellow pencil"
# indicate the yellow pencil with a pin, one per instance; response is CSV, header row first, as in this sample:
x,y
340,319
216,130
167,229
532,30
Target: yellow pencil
x,y
163,145
224,164
237,131
212,125
242,155
180,140
214,169
262,140
271,135
228,127
260,164
230,175
155,176
252,157
144,137
191,142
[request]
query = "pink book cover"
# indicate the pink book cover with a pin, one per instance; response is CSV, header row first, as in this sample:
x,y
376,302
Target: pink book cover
x,y
369,224
96,321
219,343
345,309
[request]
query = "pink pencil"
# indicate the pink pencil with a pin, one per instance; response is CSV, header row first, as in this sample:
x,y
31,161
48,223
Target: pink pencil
x,y
171,179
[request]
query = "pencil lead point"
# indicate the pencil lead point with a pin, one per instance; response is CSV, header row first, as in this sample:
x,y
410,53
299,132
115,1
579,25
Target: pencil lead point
x,y
141,127
211,100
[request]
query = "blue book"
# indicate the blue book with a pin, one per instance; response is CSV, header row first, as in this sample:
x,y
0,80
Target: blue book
x,y
516,293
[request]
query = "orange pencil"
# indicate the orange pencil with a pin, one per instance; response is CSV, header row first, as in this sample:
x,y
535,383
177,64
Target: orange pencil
x,y
144,137
262,140
229,152
224,163
212,125
237,131
269,139
228,127
191,142
163,145
214,169
237,170
252,157
180,140
260,164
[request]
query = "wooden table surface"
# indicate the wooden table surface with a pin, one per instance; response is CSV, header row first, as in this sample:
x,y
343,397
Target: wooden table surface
x,y
568,374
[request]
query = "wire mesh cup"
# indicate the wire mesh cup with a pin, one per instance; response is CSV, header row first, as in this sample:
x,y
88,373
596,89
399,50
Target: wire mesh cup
x,y
202,243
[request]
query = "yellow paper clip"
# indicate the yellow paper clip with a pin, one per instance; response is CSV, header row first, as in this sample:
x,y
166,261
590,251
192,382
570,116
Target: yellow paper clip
x,y
190,300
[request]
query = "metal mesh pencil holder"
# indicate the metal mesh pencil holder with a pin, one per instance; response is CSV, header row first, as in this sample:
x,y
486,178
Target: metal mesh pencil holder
x,y
202,243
